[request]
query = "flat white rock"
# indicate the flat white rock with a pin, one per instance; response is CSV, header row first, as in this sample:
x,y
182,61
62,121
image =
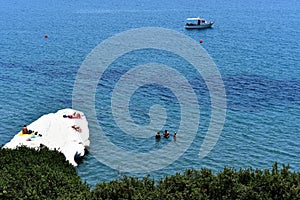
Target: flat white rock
x,y
55,131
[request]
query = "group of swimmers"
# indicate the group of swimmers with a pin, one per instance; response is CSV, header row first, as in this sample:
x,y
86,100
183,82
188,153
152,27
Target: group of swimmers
x,y
166,135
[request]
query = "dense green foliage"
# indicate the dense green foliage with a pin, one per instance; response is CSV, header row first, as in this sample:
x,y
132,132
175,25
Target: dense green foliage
x,y
29,174
203,184
44,174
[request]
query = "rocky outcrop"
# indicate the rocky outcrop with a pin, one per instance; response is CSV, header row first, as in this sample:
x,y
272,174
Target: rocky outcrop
x,y
66,131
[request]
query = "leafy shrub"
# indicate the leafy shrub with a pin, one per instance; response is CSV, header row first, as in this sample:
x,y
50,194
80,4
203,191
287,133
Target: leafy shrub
x,y
203,184
43,174
126,188
29,174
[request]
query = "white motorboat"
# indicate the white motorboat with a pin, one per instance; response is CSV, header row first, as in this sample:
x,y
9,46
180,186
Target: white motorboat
x,y
198,23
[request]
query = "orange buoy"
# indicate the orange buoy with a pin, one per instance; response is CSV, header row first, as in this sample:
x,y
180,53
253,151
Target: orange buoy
x,y
200,41
46,36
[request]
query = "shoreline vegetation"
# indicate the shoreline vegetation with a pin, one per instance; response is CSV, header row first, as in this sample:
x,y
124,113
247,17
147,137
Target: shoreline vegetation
x,y
29,174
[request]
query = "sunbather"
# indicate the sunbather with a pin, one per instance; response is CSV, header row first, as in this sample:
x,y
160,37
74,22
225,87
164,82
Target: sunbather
x,y
76,128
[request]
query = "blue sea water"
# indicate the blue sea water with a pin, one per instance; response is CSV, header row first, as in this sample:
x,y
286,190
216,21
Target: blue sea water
x,y
255,45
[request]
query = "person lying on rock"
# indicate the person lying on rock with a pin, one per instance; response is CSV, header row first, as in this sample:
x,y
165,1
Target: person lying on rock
x,y
73,116
76,128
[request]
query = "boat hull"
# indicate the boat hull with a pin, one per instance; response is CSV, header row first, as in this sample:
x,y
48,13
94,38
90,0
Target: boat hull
x,y
201,26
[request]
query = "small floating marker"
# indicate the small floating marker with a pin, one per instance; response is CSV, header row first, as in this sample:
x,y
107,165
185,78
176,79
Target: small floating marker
x,y
200,41
46,36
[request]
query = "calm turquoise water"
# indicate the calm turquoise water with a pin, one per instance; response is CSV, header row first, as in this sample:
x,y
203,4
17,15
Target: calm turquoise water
x,y
254,44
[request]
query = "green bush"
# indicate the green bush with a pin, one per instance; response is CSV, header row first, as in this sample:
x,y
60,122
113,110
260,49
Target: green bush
x,y
43,174
203,184
29,174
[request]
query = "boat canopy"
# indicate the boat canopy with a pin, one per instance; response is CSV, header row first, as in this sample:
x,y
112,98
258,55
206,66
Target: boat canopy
x,y
195,18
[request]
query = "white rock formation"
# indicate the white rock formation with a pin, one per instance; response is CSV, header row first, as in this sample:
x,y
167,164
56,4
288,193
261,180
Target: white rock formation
x,y
55,131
